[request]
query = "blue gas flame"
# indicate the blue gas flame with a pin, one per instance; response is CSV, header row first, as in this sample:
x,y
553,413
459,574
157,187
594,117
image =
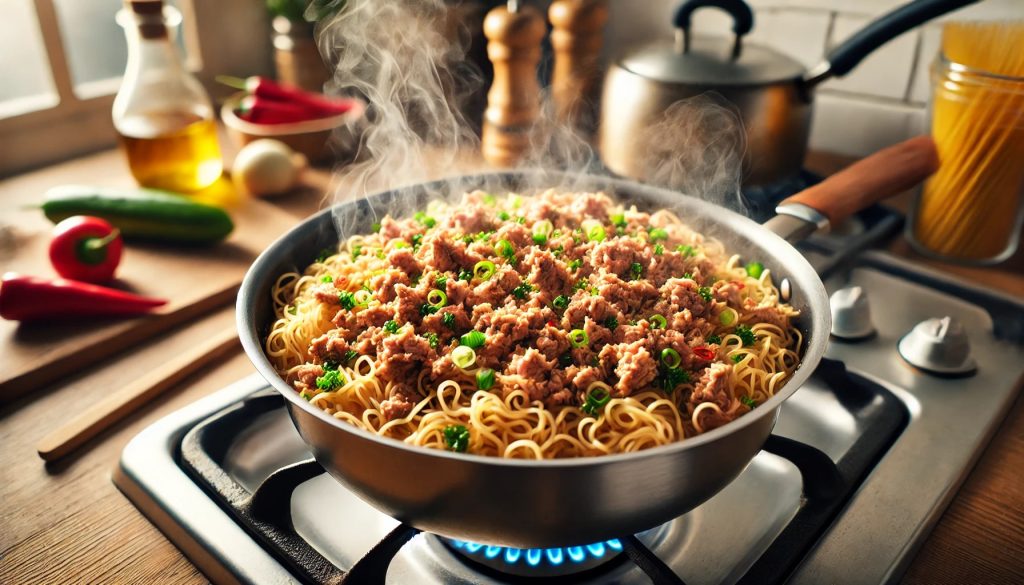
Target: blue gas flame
x,y
535,557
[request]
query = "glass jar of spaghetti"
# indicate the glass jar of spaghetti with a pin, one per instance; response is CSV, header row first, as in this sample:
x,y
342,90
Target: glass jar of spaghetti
x,y
972,209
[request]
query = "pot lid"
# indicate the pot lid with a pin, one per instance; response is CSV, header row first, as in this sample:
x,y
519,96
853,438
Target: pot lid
x,y
709,62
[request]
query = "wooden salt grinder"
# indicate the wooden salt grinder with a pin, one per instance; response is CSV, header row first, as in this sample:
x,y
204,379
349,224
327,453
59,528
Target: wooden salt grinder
x,y
576,38
513,103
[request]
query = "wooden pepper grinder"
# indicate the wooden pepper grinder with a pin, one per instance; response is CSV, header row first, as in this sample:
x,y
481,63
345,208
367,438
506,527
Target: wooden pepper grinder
x,y
514,33
576,38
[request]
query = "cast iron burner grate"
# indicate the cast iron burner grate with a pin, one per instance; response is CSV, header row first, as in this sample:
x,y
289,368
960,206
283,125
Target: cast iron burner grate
x,y
827,486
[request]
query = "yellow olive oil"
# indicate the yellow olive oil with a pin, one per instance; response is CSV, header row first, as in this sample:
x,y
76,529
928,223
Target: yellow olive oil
x,y
176,151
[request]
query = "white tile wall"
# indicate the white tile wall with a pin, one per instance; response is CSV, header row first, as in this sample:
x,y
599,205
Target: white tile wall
x,y
879,103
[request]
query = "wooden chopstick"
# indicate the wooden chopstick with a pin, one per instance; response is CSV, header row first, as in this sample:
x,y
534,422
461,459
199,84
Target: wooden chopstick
x,y
123,402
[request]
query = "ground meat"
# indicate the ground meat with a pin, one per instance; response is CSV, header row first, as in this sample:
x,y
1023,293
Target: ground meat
x,y
631,297
770,314
552,342
384,284
304,377
727,292
713,386
537,376
587,376
497,288
445,251
637,368
546,273
391,228
402,355
399,404
331,346
436,323
404,260
682,294
585,305
516,234
504,329
471,219
326,293
408,304
374,316
618,255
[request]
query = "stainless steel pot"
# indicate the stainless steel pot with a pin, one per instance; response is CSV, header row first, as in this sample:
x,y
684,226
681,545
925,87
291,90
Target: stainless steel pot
x,y
566,502
772,92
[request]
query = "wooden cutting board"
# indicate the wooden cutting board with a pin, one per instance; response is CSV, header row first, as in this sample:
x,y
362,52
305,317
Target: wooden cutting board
x,y
34,356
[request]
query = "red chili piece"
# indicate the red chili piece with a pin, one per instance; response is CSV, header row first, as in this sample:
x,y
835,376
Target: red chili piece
x,y
31,298
705,353
85,248
261,111
271,90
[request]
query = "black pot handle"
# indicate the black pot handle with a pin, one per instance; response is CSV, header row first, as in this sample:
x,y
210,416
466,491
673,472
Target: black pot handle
x,y
742,21
842,59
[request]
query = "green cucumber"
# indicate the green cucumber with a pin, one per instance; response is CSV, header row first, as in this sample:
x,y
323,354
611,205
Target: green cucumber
x,y
142,214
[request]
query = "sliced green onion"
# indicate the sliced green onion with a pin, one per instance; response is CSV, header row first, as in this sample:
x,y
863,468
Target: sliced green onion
x,y
754,269
399,245
391,326
437,298
457,438
657,234
737,357
618,220
347,300
515,201
686,250
484,269
540,239
449,320
597,397
596,233
505,249
575,265
560,302
375,227
705,293
579,338
485,378
671,358
611,323
463,357
441,281
543,227
659,249
503,215
425,219
489,199
728,316
636,270
714,339
746,334
362,297
432,340
326,278
473,339
522,290
748,401
658,322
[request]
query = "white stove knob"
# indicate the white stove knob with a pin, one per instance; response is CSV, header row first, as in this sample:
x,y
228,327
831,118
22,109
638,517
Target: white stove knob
x,y
938,346
851,314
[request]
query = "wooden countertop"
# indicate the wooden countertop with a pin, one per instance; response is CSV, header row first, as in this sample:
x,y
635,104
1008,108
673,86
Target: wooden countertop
x,y
66,522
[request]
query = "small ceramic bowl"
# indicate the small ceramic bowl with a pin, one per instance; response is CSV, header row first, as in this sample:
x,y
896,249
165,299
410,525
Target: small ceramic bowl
x,y
309,137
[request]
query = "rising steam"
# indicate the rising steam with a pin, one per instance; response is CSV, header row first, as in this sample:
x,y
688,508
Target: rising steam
x,y
407,58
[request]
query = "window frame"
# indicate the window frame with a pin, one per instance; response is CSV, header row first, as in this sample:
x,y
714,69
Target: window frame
x,y
78,125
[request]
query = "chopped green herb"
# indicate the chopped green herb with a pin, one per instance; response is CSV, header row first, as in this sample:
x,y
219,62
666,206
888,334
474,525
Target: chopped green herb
x,y
596,399
466,275
427,309
737,357
489,199
657,234
485,378
520,220
375,227
391,326
326,278
619,220
347,300
575,265
540,239
505,249
417,239
611,323
331,380
324,254
746,334
686,250
688,275
522,290
473,339
705,293
636,270
558,250
714,339
503,215
755,269
349,355
441,281
400,244
305,396
581,284
560,302
659,249
425,219
357,251
380,253
432,340
448,319
556,234
670,378
748,401
457,438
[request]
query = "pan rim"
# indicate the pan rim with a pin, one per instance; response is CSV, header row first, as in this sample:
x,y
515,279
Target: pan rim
x,y
817,327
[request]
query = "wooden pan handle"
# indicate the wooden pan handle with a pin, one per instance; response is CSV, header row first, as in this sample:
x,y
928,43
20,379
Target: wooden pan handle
x,y
124,401
885,173
576,38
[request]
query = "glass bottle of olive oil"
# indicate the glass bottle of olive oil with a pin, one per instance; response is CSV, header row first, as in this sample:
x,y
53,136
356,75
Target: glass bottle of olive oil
x,y
162,113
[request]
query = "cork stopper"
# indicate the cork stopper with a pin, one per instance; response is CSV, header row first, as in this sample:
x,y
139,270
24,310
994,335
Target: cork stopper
x,y
149,15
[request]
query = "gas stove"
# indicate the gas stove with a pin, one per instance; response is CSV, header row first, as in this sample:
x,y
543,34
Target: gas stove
x,y
863,460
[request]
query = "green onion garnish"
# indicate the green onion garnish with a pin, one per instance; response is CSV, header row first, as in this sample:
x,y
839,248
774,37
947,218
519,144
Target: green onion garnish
x,y
686,250
671,358
432,340
596,399
672,378
544,228
636,270
658,234
705,293
347,300
540,239
357,251
326,278
349,355
375,227
611,323
292,309
560,302
449,320
522,290
737,357
331,380
595,233
503,215
728,316
618,220
473,339
457,438
437,298
754,269
746,334
441,281
391,326
505,249
578,338
657,322
489,199
485,378
714,339
305,396
748,401
575,265
426,309
425,219
465,275
483,269
463,356
520,220
659,249
399,245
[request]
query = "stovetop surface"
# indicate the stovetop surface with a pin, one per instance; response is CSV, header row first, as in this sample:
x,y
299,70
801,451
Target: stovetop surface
x,y
943,425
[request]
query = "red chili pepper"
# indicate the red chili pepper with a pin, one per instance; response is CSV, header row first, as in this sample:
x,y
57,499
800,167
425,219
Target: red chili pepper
x,y
551,323
269,89
30,298
85,248
705,353
260,111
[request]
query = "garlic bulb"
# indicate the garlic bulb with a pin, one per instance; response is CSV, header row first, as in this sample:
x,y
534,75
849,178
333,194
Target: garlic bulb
x,y
267,167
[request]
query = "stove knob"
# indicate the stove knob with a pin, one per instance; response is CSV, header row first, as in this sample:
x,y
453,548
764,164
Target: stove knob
x,y
938,346
851,314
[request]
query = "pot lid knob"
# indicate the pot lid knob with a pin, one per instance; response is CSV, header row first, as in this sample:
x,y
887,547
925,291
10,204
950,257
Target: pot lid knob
x,y
851,314
938,346
742,19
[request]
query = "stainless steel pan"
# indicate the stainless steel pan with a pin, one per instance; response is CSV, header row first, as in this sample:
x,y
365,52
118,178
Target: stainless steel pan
x,y
568,502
